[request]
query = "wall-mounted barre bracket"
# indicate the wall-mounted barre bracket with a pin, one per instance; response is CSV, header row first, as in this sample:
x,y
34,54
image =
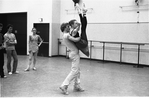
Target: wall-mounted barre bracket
x,y
74,11
135,7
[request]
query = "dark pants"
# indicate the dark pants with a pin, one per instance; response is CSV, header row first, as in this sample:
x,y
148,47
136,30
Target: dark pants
x,y
83,43
83,28
15,62
1,62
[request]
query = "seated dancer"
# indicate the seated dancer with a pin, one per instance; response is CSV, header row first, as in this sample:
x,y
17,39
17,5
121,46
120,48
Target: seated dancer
x,y
82,44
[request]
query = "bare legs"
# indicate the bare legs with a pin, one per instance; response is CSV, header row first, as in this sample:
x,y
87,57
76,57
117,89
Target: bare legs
x,y
32,59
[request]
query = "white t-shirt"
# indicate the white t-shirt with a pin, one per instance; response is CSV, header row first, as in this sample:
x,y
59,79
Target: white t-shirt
x,y
69,44
9,37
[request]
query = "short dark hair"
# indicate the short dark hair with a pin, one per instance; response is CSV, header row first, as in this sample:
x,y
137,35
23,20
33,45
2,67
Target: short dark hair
x,y
1,25
71,22
63,26
9,25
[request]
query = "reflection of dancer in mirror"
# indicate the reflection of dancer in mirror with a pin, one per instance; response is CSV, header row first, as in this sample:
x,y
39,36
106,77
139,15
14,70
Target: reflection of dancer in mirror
x,y
82,44
34,39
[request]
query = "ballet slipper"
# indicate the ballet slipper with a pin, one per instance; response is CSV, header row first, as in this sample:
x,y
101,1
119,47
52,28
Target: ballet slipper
x,y
16,72
27,69
4,76
64,89
34,68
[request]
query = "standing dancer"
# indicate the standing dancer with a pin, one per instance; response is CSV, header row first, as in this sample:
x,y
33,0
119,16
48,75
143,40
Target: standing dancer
x,y
34,39
1,53
10,40
82,44
74,56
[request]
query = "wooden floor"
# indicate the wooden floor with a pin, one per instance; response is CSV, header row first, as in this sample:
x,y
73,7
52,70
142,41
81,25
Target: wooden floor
x,y
97,78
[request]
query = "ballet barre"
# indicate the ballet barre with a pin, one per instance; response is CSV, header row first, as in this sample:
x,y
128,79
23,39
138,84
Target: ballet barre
x,y
135,7
121,48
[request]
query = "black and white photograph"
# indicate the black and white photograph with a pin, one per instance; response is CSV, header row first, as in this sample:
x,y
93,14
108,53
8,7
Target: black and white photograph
x,y
74,48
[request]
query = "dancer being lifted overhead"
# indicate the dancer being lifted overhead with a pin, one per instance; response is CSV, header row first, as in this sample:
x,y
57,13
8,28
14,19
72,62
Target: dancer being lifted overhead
x,y
82,44
73,42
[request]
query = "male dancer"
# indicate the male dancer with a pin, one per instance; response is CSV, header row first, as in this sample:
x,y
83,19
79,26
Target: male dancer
x,y
10,40
73,42
74,56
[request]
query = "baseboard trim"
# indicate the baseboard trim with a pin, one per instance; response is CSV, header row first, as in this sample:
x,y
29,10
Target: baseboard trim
x,y
109,61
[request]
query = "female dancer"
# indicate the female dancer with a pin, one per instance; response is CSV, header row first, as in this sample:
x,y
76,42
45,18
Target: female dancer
x,y
34,39
82,44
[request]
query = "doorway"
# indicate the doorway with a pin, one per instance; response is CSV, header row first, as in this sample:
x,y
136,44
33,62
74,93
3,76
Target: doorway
x,y
43,31
19,22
